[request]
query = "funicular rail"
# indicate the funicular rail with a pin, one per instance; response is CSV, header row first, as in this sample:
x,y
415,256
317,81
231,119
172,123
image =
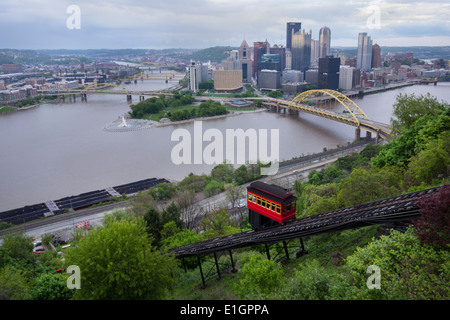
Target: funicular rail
x,y
394,209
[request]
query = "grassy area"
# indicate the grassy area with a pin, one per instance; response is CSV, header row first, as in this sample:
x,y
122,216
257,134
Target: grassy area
x,y
163,113
328,249
6,109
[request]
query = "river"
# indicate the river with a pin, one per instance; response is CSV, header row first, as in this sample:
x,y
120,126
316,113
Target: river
x,y
58,150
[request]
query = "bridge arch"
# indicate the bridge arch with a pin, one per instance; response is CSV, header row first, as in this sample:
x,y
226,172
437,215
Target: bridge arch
x,y
350,106
86,89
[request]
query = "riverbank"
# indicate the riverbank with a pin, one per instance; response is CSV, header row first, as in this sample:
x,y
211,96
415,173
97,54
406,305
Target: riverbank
x,y
232,114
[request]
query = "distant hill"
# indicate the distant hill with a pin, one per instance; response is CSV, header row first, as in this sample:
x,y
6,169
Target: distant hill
x,y
214,54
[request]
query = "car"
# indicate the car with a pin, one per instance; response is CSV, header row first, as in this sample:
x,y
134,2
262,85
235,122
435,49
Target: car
x,y
37,243
38,250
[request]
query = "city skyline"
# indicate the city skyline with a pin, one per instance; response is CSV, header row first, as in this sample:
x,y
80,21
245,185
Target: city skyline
x,y
206,23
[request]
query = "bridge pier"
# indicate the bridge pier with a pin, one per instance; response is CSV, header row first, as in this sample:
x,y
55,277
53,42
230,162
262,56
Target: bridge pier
x,y
358,134
83,97
129,98
141,98
368,135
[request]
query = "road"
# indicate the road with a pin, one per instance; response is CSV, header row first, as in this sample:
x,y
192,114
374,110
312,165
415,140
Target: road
x,y
64,224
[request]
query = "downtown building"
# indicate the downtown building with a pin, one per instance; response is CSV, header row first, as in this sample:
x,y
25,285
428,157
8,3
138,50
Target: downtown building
x,y
301,50
328,77
364,55
324,42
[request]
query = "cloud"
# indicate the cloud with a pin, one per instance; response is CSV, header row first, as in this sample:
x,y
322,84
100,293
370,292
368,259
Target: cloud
x,y
205,23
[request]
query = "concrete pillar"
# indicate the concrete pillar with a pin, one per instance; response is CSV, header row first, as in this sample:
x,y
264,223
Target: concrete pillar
x,y
357,134
368,135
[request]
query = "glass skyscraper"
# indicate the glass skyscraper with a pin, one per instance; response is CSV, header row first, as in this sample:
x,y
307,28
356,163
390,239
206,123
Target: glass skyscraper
x,y
301,50
364,56
324,42
291,27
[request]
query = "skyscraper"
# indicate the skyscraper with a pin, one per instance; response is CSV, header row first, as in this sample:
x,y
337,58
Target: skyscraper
x,y
315,53
364,56
324,42
329,68
376,56
292,27
259,49
245,57
301,50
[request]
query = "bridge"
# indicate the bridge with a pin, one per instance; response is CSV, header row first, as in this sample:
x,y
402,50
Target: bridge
x,y
325,103
333,105
102,88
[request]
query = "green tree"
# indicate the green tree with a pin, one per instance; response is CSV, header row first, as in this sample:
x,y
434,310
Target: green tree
x,y
260,277
409,108
51,286
13,284
408,270
365,185
19,246
118,262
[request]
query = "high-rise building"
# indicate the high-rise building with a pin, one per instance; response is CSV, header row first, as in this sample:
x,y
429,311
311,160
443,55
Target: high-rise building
x,y
281,51
315,53
346,77
291,27
301,50
245,57
329,73
195,73
376,56
269,62
364,56
324,42
259,49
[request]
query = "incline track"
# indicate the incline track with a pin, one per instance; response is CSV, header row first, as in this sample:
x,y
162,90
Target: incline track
x,y
399,208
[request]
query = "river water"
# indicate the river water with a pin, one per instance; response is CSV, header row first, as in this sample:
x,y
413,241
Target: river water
x,y
58,150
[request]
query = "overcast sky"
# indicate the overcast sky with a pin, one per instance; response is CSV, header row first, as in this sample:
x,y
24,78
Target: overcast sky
x,y
157,24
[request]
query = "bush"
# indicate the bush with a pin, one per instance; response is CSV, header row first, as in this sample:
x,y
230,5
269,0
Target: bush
x,y
408,270
259,277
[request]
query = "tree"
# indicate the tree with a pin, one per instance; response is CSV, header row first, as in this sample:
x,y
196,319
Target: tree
x,y
431,163
13,284
118,262
365,185
409,108
51,286
234,194
19,246
433,226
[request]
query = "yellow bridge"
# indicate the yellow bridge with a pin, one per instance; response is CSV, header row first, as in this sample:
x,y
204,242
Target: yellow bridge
x,y
332,105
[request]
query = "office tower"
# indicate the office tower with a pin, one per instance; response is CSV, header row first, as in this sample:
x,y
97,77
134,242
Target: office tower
x,y
315,53
232,62
301,50
329,73
194,75
364,56
259,49
268,62
376,56
245,57
281,51
292,27
324,42
346,77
